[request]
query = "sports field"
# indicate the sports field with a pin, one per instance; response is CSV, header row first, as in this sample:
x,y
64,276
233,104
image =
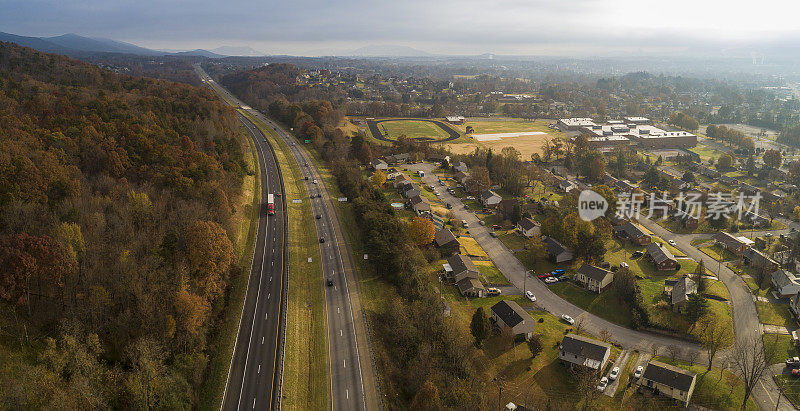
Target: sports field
x,y
412,129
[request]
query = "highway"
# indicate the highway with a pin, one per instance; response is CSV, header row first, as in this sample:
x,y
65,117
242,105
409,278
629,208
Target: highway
x,y
352,378
254,374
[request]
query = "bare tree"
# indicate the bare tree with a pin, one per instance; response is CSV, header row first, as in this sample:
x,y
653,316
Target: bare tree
x,y
674,351
750,361
578,325
714,335
605,335
587,385
654,349
692,355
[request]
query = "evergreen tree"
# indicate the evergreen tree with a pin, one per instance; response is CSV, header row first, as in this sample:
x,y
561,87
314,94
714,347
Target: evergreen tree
x,y
479,327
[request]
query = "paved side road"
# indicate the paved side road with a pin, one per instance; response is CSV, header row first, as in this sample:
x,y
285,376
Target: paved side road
x,y
515,272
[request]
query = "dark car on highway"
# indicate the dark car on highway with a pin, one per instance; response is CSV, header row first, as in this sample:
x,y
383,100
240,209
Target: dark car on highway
x,y
329,282
321,240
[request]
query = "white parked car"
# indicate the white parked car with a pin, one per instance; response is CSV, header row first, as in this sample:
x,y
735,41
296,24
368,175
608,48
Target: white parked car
x,y
550,280
638,372
614,374
671,242
603,384
315,181
530,296
470,198
623,264
568,319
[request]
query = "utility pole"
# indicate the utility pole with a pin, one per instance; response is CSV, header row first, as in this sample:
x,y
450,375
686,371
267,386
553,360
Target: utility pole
x,y
500,394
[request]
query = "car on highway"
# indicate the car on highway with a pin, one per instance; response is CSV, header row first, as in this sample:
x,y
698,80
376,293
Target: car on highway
x,y
318,216
492,291
464,223
321,240
329,282
638,372
614,374
448,205
493,234
768,235
315,181
603,384
482,222
569,320
793,362
550,280
671,242
306,178
530,296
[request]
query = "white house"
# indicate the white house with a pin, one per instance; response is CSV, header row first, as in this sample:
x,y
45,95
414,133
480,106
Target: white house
x,y
508,314
529,227
378,164
669,381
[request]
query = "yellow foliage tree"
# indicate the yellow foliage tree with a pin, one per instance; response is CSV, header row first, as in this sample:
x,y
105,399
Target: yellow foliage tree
x,y
422,231
378,178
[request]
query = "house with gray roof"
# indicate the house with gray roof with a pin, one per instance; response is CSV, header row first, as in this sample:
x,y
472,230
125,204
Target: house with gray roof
x,y
507,314
529,227
576,350
661,257
593,278
633,233
489,198
557,252
419,204
669,380
759,260
678,291
460,267
784,283
446,241
378,164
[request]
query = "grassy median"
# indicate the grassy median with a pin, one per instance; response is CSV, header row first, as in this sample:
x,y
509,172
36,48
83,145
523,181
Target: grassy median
x,y
305,373
223,341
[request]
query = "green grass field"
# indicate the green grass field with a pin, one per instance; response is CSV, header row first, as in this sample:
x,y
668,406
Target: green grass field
x,y
412,129
305,384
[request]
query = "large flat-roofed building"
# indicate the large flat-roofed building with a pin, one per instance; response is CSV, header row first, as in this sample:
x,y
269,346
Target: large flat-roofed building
x,y
575,124
642,135
667,139
637,120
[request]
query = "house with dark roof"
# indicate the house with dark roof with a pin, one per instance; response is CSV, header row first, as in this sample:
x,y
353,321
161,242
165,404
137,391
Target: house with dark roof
x,y
755,219
794,305
633,233
669,381
446,241
759,260
508,314
400,180
460,166
784,283
594,278
471,287
661,257
529,227
410,190
732,243
566,185
398,158
462,272
419,204
462,177
678,291
557,252
576,350
489,198
378,164
624,186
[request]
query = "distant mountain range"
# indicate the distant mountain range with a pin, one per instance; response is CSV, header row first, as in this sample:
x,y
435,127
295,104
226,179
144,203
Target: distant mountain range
x,y
73,43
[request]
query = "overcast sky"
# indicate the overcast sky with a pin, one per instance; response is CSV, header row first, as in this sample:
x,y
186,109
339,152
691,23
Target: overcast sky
x,y
314,27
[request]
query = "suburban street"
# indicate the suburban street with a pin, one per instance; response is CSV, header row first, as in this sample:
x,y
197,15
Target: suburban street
x,y
746,322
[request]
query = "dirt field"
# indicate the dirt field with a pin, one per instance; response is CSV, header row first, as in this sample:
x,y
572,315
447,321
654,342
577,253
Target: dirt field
x,y
526,145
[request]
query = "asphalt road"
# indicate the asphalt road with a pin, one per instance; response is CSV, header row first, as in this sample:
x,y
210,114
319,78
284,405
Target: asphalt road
x,y
255,371
352,386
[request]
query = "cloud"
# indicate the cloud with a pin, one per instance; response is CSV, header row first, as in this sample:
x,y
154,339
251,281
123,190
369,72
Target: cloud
x,y
439,26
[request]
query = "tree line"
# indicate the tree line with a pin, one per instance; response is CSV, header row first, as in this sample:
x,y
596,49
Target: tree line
x,y
116,200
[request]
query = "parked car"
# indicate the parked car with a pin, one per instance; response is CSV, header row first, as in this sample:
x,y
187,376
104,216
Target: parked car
x,y
569,320
614,374
603,384
315,181
563,278
637,254
768,235
559,272
448,205
464,223
550,280
483,222
492,291
496,227
796,373
793,362
543,276
638,372
493,234
470,198
623,265
671,242
530,296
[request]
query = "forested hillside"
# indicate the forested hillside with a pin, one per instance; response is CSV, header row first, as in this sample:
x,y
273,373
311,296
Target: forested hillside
x,y
116,198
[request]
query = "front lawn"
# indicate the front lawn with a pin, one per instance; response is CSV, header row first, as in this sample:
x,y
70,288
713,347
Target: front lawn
x,y
775,314
603,305
491,273
718,253
783,346
716,389
471,247
790,388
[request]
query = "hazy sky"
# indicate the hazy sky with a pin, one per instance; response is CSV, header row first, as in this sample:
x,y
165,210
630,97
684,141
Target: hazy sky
x,y
312,27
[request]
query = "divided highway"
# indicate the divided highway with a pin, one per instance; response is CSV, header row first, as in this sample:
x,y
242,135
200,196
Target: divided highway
x,y
255,371
352,379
